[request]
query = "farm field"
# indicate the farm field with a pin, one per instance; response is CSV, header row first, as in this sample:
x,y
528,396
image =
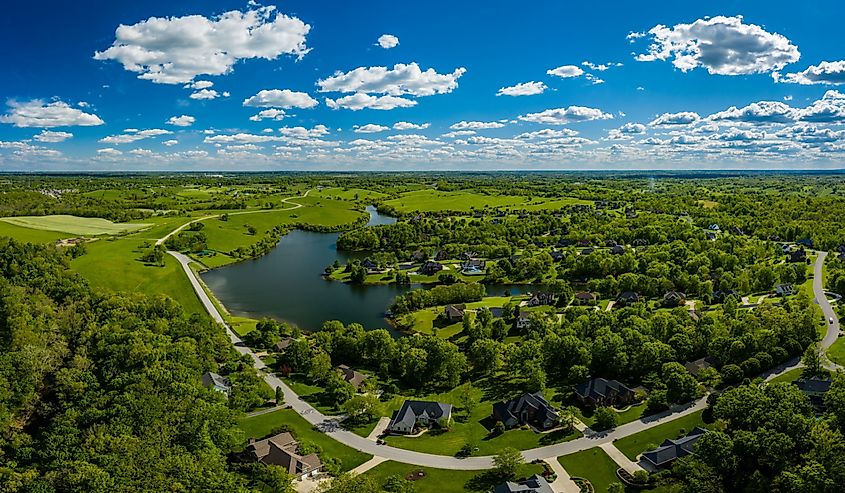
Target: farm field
x,y
435,200
74,225
29,235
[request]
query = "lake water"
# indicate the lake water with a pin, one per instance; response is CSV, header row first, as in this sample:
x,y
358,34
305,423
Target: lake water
x,y
286,284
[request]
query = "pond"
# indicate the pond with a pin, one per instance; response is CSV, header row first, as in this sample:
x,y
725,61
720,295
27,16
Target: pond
x,y
286,284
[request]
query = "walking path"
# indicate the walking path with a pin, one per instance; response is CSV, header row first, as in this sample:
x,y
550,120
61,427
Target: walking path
x,y
379,429
331,425
563,483
368,465
620,459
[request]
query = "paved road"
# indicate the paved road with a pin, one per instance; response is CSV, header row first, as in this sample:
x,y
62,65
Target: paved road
x,y
821,298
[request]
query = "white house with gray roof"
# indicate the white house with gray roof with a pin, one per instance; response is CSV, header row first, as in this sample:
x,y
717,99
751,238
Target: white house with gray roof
x,y
414,414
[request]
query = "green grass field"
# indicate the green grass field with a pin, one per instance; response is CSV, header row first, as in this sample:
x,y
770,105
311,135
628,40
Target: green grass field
x,y
347,194
82,226
29,235
790,376
593,464
444,480
435,200
262,425
423,320
635,444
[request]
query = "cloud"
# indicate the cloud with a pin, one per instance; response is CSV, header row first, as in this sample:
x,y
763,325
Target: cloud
x,y
757,113
830,73
547,133
269,114
133,135
359,101
458,133
51,136
199,84
240,138
207,94
464,125
632,128
400,80
523,89
566,71
171,142
601,67
410,126
305,133
181,121
37,114
281,98
680,118
829,109
174,50
562,116
722,45
109,151
388,41
370,128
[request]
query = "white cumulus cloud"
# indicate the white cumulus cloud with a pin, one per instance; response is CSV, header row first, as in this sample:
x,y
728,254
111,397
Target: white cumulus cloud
x,y
359,101
465,125
410,126
181,121
133,135
51,136
400,80
388,41
523,89
281,98
269,114
680,118
174,50
566,71
370,128
722,45
37,114
831,73
562,116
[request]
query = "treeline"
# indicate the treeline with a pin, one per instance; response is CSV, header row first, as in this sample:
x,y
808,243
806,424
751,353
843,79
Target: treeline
x,y
439,295
102,392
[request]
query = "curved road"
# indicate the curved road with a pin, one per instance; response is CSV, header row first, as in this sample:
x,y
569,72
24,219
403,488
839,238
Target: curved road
x,y
833,328
330,424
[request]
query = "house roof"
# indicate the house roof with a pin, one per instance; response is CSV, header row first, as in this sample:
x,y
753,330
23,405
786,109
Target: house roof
x,y
814,385
670,450
628,296
412,411
454,310
356,378
211,379
534,484
283,343
599,387
281,450
584,295
696,366
508,411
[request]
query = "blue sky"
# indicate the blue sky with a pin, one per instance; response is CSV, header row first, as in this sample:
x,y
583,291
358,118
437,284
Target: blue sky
x,y
205,85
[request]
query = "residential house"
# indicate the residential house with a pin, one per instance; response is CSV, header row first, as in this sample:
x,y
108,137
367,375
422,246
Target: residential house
x,y
627,297
785,248
542,298
430,268
467,255
736,230
557,255
610,243
473,266
283,343
534,484
211,380
640,242
671,450
699,365
584,298
418,256
602,392
354,377
586,251
710,235
674,298
786,289
523,321
815,388
527,409
721,295
415,414
583,243
805,242
797,256
441,255
454,313
617,250
282,450
369,264
713,227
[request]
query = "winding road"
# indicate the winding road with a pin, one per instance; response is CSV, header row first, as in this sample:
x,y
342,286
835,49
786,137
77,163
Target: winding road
x,y
330,425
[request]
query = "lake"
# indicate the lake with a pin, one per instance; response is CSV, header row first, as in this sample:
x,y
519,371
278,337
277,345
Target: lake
x,y
286,284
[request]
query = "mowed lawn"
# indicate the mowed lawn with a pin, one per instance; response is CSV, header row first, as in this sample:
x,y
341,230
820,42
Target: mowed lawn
x,y
74,225
262,425
471,430
444,480
634,445
592,464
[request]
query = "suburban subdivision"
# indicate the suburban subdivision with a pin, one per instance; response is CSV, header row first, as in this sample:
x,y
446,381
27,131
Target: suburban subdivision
x,y
396,332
